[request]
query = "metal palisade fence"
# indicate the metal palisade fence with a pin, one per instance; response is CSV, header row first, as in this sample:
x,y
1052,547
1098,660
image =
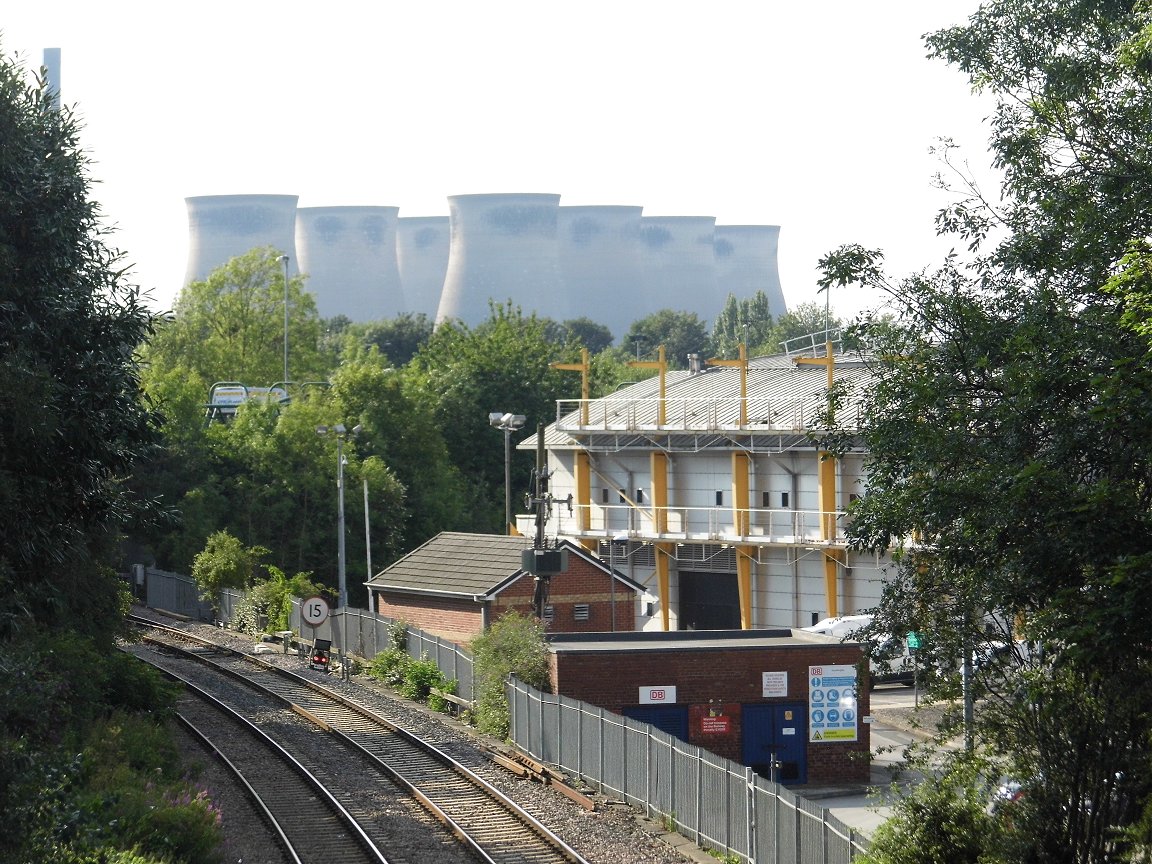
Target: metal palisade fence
x,y
718,803
365,634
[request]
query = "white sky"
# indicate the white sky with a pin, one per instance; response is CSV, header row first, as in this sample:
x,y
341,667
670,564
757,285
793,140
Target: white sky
x,y
816,117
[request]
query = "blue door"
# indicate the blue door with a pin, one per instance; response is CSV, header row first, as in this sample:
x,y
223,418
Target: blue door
x,y
776,741
672,719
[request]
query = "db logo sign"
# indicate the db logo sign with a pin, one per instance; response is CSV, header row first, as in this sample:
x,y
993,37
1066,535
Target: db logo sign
x,y
665,695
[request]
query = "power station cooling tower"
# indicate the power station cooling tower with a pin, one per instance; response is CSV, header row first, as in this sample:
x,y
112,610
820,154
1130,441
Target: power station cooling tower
x,y
221,227
422,255
503,248
349,257
680,264
600,264
746,263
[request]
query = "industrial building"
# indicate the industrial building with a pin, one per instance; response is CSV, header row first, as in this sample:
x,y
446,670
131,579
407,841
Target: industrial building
x,y
608,263
710,488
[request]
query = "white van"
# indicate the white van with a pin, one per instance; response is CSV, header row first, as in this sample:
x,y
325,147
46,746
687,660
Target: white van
x,y
889,662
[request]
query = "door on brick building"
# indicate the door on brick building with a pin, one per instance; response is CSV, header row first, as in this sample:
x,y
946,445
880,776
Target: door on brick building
x,y
672,719
709,601
776,741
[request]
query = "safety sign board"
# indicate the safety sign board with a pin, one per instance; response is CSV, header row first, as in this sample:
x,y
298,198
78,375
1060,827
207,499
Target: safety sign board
x,y
832,714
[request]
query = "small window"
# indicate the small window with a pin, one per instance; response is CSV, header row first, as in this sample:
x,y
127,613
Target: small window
x,y
852,496
639,496
622,499
720,498
581,612
784,499
765,499
604,495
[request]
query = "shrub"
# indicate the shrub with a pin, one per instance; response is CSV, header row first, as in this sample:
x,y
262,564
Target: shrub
x,y
513,645
390,666
439,703
420,676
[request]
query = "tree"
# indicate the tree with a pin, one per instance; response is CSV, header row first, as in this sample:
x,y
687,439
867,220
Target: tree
x,y
225,563
230,327
71,420
466,374
397,338
748,321
1010,465
586,333
681,334
807,319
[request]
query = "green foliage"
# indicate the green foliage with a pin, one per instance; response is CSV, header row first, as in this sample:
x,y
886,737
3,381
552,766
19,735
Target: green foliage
x,y
390,666
73,423
748,321
940,822
513,645
398,339
230,327
437,702
419,677
271,597
585,333
225,563
681,334
1007,425
463,374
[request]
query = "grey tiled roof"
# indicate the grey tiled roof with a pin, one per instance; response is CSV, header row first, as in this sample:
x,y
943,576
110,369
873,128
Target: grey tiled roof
x,y
469,565
455,563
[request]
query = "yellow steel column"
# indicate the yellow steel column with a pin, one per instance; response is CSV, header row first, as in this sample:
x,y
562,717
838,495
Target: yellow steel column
x,y
741,506
659,471
832,558
661,556
744,558
582,471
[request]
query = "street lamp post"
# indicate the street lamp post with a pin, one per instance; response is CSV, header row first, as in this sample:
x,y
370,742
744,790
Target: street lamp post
x,y
341,434
284,261
507,423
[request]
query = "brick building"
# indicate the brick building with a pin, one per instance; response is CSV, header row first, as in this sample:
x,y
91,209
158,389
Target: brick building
x,y
782,701
456,584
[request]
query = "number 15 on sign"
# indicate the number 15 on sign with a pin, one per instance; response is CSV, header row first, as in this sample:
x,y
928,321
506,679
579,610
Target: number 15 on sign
x,y
314,611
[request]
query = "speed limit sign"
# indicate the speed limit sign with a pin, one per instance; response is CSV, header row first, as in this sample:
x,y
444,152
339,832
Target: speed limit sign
x,y
314,611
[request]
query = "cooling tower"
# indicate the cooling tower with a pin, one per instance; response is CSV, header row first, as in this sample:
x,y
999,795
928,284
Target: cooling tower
x,y
221,227
503,247
746,263
422,256
600,263
349,256
680,264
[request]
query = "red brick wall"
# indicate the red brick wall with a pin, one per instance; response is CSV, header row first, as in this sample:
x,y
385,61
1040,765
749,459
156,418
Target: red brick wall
x,y
726,678
461,621
455,620
582,582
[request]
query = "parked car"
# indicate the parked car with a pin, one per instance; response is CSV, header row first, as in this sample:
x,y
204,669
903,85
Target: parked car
x,y
889,660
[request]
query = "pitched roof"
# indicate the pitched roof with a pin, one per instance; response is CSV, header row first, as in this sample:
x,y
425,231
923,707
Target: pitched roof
x,y
470,565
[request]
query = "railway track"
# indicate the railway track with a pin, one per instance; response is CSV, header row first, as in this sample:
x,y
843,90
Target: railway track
x,y
310,823
491,826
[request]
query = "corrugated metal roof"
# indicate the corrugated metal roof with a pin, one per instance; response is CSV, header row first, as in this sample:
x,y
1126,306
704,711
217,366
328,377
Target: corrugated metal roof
x,y
783,399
